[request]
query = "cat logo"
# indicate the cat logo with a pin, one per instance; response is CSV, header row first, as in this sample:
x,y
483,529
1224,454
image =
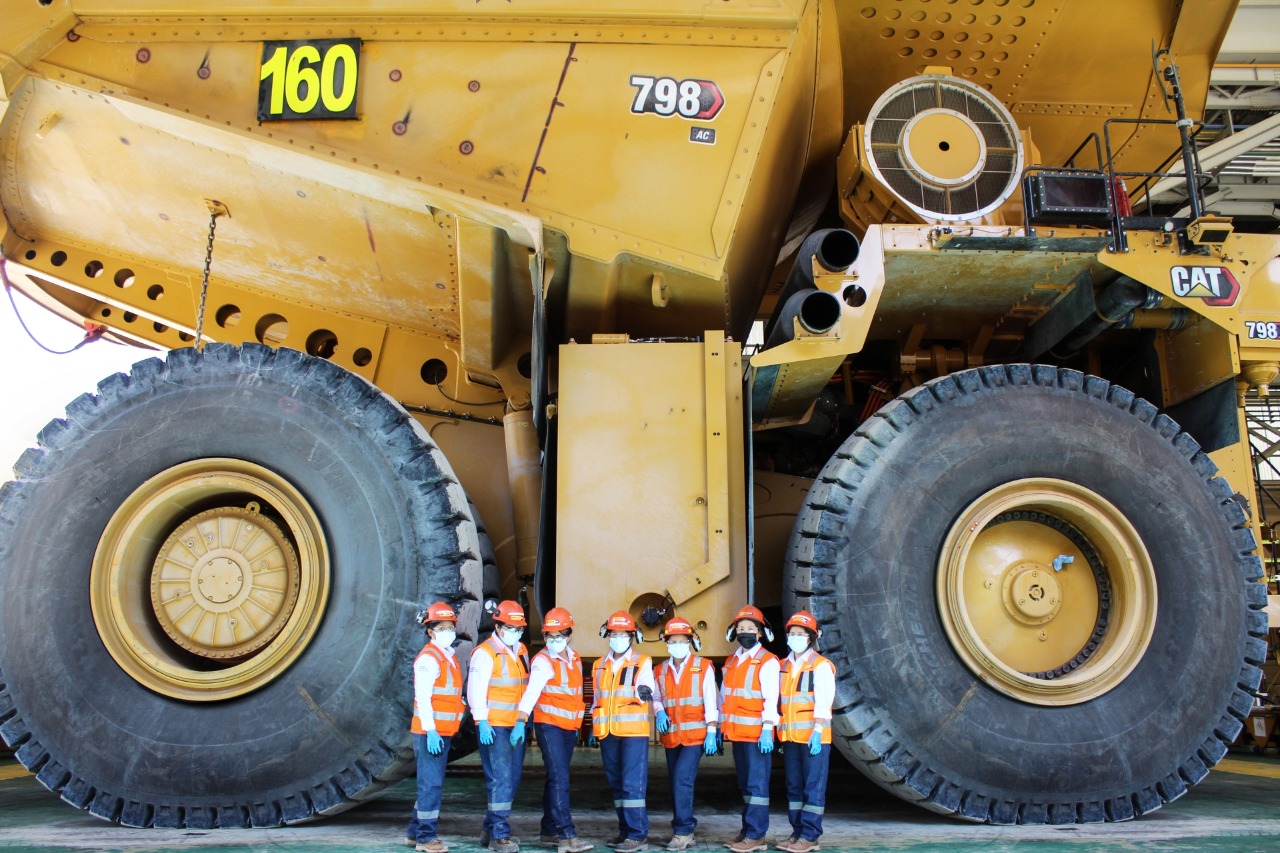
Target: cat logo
x,y
1215,285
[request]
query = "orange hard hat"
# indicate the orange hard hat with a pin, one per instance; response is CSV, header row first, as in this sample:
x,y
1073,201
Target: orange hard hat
x,y
438,612
557,619
753,613
620,621
805,620
510,613
677,626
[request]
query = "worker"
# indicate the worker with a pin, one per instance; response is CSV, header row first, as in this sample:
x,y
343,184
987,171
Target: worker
x,y
496,681
748,715
437,714
687,690
623,692
807,690
554,697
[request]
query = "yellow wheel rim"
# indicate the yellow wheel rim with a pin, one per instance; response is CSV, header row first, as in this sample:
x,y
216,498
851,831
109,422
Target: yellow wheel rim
x,y
210,579
1046,592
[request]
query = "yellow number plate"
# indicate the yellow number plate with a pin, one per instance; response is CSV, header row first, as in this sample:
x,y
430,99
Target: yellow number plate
x,y
309,79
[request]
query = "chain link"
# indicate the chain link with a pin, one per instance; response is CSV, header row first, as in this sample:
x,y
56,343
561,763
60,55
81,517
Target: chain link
x,y
214,213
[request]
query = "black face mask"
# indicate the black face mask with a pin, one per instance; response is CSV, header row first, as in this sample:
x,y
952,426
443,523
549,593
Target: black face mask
x,y
748,641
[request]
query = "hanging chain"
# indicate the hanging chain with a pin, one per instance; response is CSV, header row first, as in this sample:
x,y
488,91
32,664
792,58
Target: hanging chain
x,y
216,209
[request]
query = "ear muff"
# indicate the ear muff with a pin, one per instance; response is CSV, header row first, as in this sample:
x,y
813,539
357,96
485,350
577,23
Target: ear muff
x,y
697,641
768,633
604,630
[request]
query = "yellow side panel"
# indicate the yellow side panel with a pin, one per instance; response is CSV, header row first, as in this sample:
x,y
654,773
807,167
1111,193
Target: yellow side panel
x,y
651,491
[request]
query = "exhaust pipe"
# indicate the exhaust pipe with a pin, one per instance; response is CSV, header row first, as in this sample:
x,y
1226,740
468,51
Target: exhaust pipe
x,y
835,250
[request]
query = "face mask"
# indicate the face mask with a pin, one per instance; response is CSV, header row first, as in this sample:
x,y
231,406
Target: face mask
x,y
510,637
679,651
556,645
797,644
444,639
619,644
748,641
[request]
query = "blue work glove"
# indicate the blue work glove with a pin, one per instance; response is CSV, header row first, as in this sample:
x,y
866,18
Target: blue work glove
x,y
435,743
766,740
664,723
593,742
517,733
815,743
709,745
486,733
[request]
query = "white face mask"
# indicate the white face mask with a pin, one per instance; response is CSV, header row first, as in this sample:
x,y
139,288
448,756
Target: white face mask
x,y
619,644
444,639
510,636
556,645
797,644
679,651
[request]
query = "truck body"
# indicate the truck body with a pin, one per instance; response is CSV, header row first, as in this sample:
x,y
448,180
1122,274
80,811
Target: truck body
x,y
459,303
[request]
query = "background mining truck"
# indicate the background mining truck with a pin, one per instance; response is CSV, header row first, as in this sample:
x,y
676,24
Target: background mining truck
x,y
451,260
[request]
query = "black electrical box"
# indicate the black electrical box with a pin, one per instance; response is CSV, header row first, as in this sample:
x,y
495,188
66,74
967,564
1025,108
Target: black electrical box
x,y
1067,198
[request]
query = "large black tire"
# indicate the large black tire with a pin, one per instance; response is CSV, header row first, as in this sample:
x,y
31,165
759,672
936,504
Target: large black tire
x,y
864,557
331,729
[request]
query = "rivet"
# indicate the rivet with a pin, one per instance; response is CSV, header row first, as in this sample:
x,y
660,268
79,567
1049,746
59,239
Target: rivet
x,y
466,147
399,128
203,72
474,85
394,75
143,55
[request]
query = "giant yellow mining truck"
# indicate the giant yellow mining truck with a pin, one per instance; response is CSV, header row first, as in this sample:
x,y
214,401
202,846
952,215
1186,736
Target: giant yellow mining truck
x,y
416,264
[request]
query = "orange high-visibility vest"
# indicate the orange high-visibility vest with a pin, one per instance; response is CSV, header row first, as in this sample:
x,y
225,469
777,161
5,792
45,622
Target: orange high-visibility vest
x,y
560,703
619,711
507,680
742,716
446,695
796,698
682,700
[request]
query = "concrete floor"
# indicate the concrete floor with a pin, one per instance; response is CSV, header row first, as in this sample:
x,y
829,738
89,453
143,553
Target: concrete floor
x,y
1235,809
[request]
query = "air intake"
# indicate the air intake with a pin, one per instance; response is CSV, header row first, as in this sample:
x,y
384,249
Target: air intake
x,y
943,148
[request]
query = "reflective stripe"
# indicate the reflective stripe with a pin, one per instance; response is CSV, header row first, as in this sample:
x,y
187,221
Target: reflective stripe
x,y
631,718
557,712
813,809
695,700
742,721
429,815
745,693
630,804
756,801
499,807
692,724
794,806
564,691
505,706
506,682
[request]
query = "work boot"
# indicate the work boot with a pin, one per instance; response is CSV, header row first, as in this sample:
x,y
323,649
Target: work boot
x,y
435,845
573,845
633,845
410,842
505,845
484,838
749,845
549,840
680,842
801,845
736,839
616,840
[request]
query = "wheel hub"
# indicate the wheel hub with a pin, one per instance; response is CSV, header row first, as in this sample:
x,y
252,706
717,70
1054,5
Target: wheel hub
x,y
1046,592
233,594
1032,594
225,582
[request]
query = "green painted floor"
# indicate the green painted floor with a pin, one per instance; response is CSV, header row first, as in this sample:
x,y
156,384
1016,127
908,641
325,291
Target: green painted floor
x,y
1236,809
